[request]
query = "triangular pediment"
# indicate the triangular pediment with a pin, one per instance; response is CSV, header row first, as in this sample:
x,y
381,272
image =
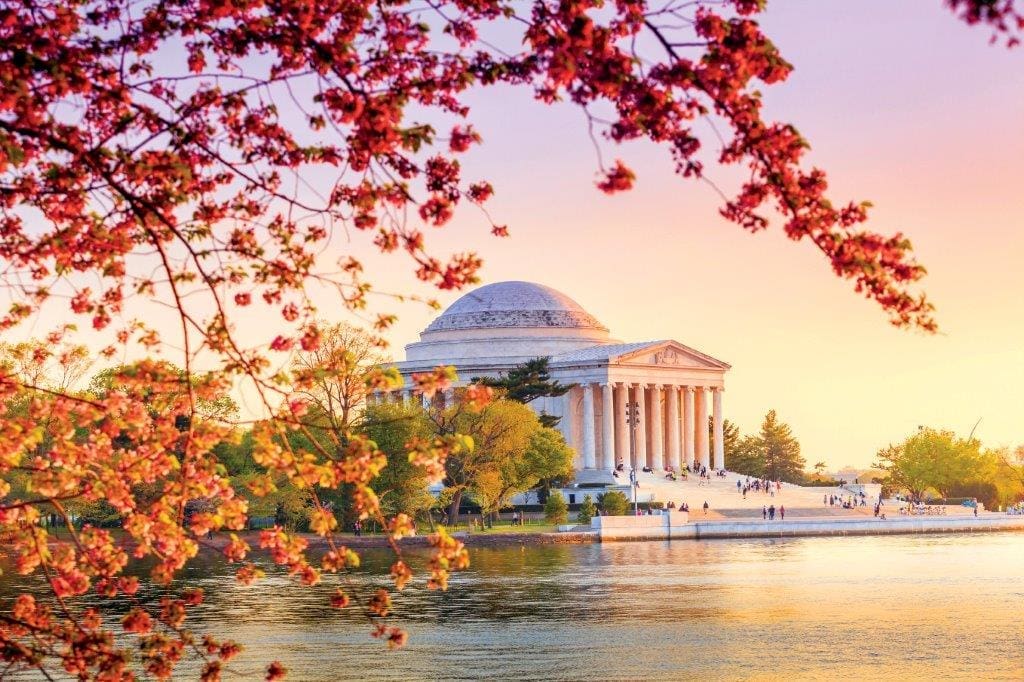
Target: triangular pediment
x,y
669,354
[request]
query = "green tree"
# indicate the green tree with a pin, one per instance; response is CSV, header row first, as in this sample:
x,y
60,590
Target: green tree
x,y
931,459
526,382
587,511
555,509
221,408
748,457
501,434
613,503
401,486
781,451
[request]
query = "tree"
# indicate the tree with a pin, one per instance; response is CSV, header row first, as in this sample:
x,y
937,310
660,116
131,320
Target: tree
x,y
335,376
201,155
547,458
526,382
43,366
613,503
494,468
748,457
587,511
555,509
401,486
215,405
930,459
781,451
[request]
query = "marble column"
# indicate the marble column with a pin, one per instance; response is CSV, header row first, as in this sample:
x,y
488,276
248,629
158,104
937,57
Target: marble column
x,y
621,427
674,452
657,430
688,449
589,437
640,456
719,429
701,428
607,427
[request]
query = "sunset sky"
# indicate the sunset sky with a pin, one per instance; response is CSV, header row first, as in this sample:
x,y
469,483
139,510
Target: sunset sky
x,y
904,106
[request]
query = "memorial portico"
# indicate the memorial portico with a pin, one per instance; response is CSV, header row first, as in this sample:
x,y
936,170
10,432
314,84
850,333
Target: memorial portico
x,y
643,404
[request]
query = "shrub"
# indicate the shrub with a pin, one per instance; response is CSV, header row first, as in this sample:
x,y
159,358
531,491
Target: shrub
x,y
555,509
614,503
587,510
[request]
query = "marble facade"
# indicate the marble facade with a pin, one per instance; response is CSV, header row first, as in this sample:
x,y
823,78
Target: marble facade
x,y
640,404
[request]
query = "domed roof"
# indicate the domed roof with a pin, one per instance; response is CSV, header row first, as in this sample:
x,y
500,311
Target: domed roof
x,y
514,304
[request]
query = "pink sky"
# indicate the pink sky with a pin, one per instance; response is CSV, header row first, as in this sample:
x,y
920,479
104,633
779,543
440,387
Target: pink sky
x,y
904,106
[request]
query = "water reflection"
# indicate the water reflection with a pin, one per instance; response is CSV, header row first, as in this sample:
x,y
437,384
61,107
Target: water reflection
x,y
945,607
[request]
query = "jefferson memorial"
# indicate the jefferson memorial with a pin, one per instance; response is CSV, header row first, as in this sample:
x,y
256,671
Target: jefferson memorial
x,y
644,403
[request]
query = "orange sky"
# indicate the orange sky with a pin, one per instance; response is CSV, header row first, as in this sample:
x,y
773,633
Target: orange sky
x,y
904,107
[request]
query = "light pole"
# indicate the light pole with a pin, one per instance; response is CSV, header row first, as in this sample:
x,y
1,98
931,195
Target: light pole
x,y
633,420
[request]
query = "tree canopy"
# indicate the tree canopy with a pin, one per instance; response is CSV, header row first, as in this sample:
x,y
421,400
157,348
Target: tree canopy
x,y
932,459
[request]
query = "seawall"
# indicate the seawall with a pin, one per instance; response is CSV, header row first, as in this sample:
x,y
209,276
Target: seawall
x,y
809,527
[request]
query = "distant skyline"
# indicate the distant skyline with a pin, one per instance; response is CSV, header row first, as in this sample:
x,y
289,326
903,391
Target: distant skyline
x,y
927,130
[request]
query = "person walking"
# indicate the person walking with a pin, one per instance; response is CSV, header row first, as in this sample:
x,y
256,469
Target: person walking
x,y
771,513
764,513
706,506
782,512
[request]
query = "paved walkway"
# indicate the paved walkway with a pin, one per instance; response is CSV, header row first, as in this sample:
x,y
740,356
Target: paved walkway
x,y
722,495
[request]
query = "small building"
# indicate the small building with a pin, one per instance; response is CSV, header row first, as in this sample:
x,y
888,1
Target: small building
x,y
643,403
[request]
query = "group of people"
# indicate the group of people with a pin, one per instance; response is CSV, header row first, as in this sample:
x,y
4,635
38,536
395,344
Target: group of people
x,y
848,502
1015,510
758,485
768,513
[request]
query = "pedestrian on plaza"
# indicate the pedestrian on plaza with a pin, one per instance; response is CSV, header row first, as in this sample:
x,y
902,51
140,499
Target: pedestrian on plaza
x,y
764,513
771,513
782,512
706,505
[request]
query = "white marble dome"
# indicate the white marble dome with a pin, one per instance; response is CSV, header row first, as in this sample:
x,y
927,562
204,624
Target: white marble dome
x,y
506,323
514,304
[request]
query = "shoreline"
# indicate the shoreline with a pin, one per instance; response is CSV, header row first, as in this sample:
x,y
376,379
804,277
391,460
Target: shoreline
x,y
718,530
756,528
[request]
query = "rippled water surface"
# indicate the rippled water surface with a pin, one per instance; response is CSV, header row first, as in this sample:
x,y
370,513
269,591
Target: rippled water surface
x,y
937,607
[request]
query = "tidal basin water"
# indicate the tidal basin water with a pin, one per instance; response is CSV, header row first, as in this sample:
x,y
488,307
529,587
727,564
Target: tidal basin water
x,y
925,606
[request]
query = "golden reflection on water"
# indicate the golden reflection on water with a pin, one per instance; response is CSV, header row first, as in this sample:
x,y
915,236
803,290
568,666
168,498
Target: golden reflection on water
x,y
910,607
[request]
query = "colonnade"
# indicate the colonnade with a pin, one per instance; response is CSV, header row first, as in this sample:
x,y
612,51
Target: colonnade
x,y
656,425
640,424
